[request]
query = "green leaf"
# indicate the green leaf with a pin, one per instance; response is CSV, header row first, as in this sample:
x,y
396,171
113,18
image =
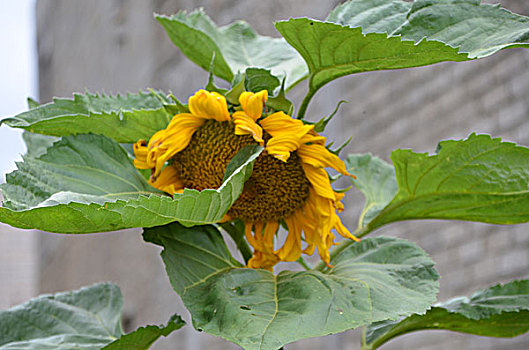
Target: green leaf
x,y
374,16
143,337
235,47
37,144
376,180
499,311
89,318
85,164
476,179
376,279
258,79
123,118
32,103
87,183
361,36
332,51
448,21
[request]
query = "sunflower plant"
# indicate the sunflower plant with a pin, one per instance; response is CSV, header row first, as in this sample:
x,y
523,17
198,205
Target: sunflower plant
x,y
244,160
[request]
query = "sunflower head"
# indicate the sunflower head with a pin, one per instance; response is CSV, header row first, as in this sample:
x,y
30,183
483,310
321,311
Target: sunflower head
x,y
289,183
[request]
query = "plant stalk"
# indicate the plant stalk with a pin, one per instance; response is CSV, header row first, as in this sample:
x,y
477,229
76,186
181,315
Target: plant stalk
x,y
305,103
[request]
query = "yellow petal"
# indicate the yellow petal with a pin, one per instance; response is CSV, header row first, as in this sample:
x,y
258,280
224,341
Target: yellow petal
x,y
245,125
263,243
342,230
168,181
280,123
249,237
319,156
209,105
319,180
166,143
268,236
291,249
286,133
140,155
262,260
253,104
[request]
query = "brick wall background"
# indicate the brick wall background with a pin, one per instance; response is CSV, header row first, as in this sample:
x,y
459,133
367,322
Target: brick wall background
x,y
116,46
18,266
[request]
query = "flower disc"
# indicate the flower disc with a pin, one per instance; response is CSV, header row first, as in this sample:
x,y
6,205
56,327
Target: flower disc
x,y
275,190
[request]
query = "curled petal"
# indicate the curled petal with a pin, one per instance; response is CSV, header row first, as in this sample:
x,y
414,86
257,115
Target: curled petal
x,y
253,104
261,260
287,134
319,156
245,125
166,143
291,249
209,105
140,154
263,244
281,146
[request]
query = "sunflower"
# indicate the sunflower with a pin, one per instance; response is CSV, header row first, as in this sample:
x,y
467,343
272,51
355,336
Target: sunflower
x,y
289,183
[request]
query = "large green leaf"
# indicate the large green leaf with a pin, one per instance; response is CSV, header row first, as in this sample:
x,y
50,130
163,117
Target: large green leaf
x,y
143,337
376,279
89,318
87,183
374,16
476,179
449,21
123,118
499,311
332,51
376,180
232,48
360,36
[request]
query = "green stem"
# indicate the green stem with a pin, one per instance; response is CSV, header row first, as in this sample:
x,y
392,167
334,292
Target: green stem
x,y
365,346
305,102
238,237
303,263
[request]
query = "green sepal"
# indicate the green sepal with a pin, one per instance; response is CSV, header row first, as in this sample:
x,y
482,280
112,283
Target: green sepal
x,y
280,102
238,87
321,124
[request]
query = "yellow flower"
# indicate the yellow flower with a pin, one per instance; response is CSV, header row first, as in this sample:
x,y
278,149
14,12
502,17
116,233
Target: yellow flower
x,y
288,183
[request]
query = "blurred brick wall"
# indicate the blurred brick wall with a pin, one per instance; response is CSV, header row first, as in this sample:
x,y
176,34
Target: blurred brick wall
x,y
116,46
18,266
